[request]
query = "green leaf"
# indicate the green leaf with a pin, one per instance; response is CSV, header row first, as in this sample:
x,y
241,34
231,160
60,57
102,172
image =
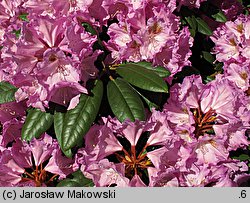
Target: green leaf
x,y
159,70
23,17
7,92
17,33
208,57
209,78
124,101
142,77
220,17
76,122
78,180
89,28
242,157
192,22
36,123
203,27
58,126
219,67
150,104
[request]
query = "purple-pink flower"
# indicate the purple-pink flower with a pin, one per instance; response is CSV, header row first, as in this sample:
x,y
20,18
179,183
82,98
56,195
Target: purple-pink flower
x,y
126,156
232,40
152,33
37,163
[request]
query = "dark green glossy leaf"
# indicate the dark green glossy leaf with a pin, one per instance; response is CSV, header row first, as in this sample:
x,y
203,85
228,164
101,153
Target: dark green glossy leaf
x,y
58,126
159,70
36,123
142,77
220,17
208,57
89,28
76,122
150,104
203,27
192,22
7,92
78,180
243,157
124,101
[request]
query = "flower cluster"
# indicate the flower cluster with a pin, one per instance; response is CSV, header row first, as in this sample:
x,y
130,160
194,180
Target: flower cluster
x,y
187,144
47,61
231,41
125,93
150,32
37,163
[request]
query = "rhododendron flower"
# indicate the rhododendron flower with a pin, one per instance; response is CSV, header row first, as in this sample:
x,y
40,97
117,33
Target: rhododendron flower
x,y
121,145
195,109
53,51
151,32
11,110
239,74
232,40
35,164
11,131
49,55
9,10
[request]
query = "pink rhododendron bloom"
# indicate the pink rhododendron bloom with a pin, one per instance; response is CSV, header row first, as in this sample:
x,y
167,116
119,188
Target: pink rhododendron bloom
x,y
225,175
52,51
11,131
49,56
232,40
239,74
122,143
152,33
105,173
9,10
11,110
205,107
18,169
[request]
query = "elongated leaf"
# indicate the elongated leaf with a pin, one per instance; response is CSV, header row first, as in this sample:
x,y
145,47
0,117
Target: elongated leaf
x,y
242,157
78,180
150,104
203,27
76,122
89,28
192,22
208,57
7,92
36,123
142,77
220,17
58,126
124,101
159,70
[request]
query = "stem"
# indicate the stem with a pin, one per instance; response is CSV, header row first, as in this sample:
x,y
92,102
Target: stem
x,y
51,179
